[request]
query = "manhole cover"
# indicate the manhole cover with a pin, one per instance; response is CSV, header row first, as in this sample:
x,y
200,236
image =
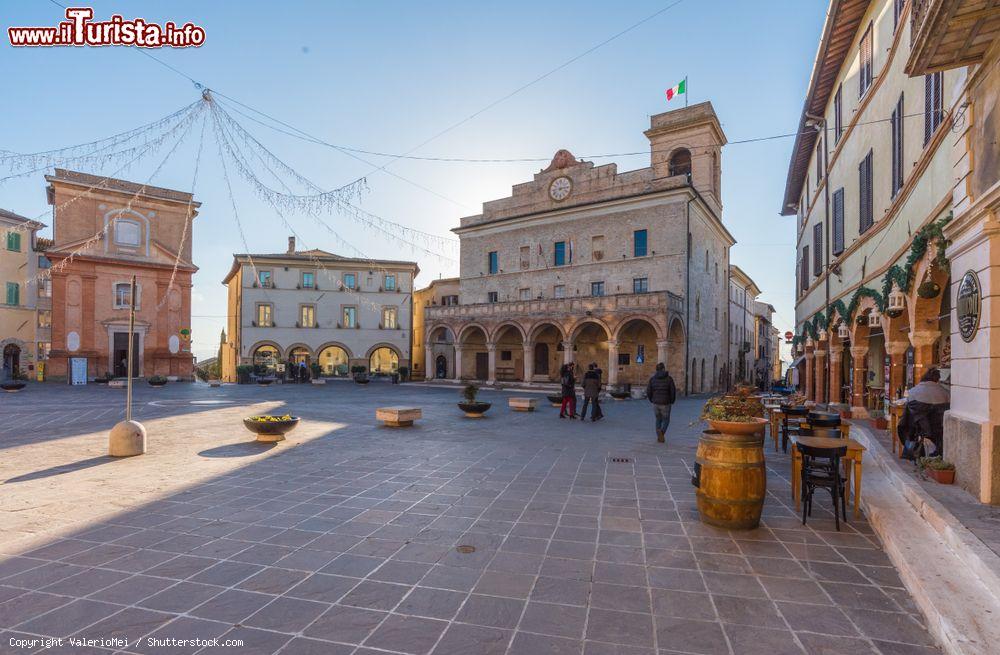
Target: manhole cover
x,y
621,460
466,549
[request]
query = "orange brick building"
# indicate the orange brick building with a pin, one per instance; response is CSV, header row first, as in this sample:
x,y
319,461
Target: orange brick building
x,y
140,229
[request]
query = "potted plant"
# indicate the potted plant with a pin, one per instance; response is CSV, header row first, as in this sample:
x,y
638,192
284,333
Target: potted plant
x,y
268,427
360,374
404,373
880,421
156,381
940,470
243,372
555,399
12,386
472,407
734,414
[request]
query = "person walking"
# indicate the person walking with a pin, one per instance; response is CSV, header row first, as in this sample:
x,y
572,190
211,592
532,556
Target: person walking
x,y
592,393
568,382
660,391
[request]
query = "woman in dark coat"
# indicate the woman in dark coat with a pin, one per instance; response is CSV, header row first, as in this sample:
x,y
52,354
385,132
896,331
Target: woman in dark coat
x,y
568,381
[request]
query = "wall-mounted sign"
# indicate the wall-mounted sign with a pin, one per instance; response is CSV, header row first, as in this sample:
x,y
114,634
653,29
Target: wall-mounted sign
x,y
968,306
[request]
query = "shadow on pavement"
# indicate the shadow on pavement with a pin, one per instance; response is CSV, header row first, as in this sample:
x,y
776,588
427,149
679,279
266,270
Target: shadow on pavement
x,y
62,468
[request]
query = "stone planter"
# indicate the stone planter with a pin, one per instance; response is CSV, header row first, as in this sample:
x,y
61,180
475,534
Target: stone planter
x,y
474,409
158,383
268,431
12,387
361,379
555,399
263,382
620,395
317,381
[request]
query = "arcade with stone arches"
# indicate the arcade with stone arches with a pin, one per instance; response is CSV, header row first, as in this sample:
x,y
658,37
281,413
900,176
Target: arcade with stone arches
x,y
335,359
626,348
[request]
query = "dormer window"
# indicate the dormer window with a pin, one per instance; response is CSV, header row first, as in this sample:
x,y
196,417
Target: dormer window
x,y
680,162
127,233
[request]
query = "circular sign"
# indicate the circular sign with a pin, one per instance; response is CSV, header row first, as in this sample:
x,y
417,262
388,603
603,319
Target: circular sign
x,y
968,306
72,342
789,336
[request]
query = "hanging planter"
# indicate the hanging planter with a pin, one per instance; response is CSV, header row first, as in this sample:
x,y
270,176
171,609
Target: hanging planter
x,y
929,289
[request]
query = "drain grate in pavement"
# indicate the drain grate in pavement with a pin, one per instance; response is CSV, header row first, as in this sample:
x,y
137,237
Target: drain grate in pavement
x,y
621,460
465,549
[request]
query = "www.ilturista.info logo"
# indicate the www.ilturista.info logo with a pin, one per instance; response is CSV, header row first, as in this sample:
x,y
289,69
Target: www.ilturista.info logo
x,y
80,30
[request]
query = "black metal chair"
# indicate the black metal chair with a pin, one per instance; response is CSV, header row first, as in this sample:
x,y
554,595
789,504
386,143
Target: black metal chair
x,y
792,416
825,419
821,470
813,430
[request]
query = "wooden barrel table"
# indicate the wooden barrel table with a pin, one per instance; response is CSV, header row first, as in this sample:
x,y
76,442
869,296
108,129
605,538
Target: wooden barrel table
x,y
731,479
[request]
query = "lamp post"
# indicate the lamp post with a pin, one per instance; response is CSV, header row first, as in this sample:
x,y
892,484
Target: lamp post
x,y
128,437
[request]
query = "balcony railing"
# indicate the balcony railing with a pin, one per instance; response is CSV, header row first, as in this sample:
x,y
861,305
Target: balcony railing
x,y
653,301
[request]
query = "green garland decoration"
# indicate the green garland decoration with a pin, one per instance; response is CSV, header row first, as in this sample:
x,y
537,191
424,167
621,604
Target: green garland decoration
x,y
841,308
865,292
898,275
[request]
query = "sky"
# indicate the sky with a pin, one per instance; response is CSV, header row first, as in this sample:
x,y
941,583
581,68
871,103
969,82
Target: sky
x,y
388,76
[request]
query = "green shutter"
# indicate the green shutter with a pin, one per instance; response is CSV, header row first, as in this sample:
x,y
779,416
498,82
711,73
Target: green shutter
x,y
14,241
13,293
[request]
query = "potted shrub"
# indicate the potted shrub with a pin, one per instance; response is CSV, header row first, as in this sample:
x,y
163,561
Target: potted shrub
x,y
404,373
268,427
734,414
316,370
939,469
472,407
243,372
555,399
156,381
360,374
12,386
880,421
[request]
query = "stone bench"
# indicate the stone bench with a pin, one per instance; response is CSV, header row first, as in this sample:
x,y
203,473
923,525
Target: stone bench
x,y
398,417
520,404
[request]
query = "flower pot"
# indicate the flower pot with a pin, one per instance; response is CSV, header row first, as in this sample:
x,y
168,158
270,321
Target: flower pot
x,y
881,423
941,476
12,387
271,430
156,384
738,427
474,409
555,399
361,379
264,382
620,395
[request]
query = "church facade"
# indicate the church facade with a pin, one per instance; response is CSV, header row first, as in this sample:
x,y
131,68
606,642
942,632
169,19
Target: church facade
x,y
591,265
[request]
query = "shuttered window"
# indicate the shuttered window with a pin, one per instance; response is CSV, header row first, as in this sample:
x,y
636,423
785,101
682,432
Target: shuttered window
x,y
896,127
838,114
933,105
838,222
819,162
865,213
804,270
818,249
865,69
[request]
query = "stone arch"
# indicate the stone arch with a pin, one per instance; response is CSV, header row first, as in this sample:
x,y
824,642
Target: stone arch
x,y
383,358
508,357
546,338
638,351
330,363
297,346
656,325
582,323
589,338
433,330
506,325
539,326
440,352
467,330
679,162
860,333
927,329
264,342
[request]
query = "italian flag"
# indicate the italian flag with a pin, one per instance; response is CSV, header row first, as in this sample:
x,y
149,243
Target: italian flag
x,y
676,90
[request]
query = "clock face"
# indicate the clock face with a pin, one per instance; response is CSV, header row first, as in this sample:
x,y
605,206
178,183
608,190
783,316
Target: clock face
x,y
560,188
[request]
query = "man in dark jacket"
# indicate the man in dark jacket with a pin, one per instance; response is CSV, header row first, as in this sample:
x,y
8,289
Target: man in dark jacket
x,y
662,393
591,393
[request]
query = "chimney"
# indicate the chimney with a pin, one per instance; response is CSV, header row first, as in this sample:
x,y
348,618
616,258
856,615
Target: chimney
x,y
291,245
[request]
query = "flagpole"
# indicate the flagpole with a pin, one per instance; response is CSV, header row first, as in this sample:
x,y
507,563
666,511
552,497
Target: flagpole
x,y
686,91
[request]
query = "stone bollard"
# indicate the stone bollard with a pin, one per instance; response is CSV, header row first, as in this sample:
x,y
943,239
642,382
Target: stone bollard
x,y
126,439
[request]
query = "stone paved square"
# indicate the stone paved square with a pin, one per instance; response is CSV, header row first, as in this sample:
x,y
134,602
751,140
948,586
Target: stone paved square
x,y
344,538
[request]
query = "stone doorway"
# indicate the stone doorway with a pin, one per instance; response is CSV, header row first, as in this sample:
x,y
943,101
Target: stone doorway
x,y
119,355
482,366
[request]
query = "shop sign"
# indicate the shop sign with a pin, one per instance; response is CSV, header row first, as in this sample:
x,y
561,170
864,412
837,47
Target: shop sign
x,y
968,306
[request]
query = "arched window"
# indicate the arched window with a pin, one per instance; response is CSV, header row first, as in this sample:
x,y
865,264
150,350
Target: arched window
x,y
680,162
